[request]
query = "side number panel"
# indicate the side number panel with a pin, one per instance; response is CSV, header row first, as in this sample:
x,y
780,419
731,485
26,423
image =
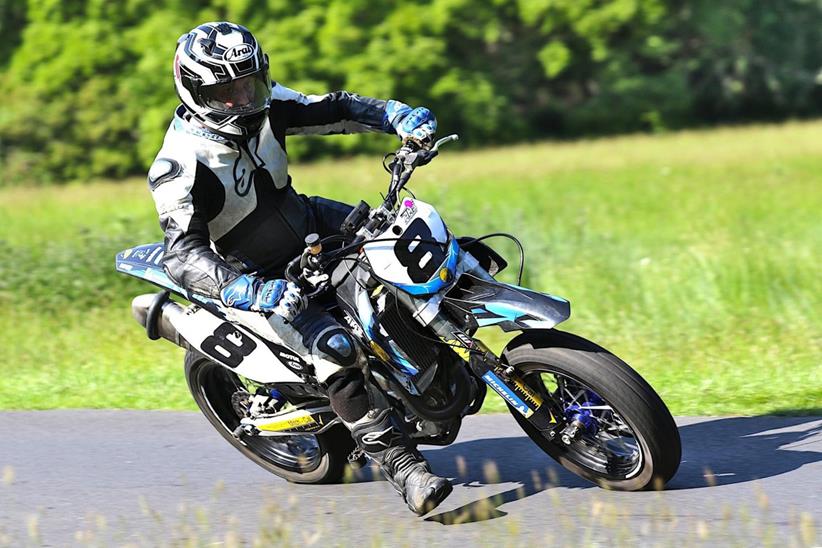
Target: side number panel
x,y
234,346
228,345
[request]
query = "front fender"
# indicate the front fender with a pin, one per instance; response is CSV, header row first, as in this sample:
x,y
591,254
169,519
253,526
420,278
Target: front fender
x,y
480,303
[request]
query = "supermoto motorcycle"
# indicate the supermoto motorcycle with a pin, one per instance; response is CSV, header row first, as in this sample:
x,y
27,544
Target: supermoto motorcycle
x,y
414,295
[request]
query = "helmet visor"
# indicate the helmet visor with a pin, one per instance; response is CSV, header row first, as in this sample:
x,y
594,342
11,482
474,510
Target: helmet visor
x,y
245,95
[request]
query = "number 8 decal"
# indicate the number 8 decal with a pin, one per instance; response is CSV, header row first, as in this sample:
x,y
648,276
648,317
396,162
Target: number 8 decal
x,y
412,259
228,345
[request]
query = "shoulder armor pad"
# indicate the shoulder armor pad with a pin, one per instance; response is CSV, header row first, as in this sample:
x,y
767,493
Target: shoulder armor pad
x,y
163,170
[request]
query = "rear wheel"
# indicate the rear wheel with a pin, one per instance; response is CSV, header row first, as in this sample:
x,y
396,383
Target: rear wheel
x,y
306,458
627,439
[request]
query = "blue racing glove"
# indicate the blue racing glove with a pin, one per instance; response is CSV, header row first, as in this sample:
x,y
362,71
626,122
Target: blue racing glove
x,y
277,296
418,124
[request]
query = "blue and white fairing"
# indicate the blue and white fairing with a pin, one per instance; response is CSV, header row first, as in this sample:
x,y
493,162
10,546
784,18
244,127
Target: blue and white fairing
x,y
416,253
488,302
241,341
146,262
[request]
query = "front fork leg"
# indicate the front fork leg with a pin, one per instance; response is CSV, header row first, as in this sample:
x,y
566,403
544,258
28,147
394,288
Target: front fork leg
x,y
503,380
506,382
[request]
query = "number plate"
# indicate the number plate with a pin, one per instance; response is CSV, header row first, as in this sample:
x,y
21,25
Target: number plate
x,y
413,258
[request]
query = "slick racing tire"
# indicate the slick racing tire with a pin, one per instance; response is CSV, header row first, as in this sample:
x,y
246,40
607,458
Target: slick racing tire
x,y
631,444
306,458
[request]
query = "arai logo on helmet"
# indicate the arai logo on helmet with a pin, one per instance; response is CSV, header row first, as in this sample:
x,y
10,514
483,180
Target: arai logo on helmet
x,y
239,53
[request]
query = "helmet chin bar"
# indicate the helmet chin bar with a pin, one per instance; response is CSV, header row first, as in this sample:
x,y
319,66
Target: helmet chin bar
x,y
235,128
252,123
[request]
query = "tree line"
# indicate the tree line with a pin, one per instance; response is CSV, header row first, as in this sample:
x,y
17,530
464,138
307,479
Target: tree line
x,y
87,89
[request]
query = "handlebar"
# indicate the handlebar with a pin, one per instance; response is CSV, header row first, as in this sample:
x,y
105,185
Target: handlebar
x,y
407,158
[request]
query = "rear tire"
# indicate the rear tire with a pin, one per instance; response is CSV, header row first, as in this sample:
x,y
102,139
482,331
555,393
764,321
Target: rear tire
x,y
212,385
627,393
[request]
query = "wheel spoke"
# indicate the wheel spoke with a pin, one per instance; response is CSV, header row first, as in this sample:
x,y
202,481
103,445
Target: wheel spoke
x,y
297,452
562,390
611,448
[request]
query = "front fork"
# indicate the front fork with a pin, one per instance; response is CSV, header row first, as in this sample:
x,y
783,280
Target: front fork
x,y
504,380
569,423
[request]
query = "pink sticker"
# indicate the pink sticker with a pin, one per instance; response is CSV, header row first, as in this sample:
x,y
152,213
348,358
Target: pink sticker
x,y
408,203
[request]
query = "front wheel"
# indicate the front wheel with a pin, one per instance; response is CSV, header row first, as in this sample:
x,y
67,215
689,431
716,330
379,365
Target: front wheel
x,y
307,458
627,439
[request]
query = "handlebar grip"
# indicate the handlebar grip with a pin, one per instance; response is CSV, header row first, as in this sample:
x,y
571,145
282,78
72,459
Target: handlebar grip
x,y
288,271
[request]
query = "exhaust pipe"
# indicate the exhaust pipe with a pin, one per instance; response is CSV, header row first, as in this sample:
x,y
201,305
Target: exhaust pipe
x,y
156,312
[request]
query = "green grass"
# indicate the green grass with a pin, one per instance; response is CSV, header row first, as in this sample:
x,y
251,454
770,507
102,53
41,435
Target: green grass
x,y
694,256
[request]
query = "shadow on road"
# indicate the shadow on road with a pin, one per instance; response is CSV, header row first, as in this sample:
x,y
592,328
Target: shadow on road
x,y
740,449
715,452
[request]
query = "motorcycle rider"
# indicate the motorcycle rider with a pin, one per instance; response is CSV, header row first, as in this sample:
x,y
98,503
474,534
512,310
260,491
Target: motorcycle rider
x,y
232,220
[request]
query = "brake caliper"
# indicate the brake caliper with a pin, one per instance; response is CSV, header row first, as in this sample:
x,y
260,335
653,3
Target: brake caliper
x,y
580,419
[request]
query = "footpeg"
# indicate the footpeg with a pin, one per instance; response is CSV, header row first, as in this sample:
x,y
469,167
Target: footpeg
x,y
244,429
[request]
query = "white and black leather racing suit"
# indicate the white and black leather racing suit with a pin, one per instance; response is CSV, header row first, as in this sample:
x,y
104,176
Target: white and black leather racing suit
x,y
228,208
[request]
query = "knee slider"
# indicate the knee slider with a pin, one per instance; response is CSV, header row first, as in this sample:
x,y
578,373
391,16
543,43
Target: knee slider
x,y
338,345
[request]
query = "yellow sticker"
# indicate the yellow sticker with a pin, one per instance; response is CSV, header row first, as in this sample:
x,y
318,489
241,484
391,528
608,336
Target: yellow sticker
x,y
300,418
458,348
530,395
381,354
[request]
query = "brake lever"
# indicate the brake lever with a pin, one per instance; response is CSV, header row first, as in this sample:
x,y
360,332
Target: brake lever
x,y
316,280
422,156
446,139
408,157
419,158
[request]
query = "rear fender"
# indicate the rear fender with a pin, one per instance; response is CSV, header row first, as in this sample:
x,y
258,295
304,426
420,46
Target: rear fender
x,y
207,330
481,303
146,263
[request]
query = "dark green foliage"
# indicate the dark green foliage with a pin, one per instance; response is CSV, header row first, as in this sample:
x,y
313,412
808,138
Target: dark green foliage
x,y
751,59
12,19
88,91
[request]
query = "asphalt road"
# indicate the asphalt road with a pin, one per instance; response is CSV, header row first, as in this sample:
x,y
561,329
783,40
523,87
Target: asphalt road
x,y
152,478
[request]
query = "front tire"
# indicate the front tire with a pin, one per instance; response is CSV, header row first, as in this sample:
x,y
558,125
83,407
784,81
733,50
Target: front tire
x,y
319,458
590,369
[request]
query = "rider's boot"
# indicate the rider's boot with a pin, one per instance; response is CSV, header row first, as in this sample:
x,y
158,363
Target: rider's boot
x,y
379,437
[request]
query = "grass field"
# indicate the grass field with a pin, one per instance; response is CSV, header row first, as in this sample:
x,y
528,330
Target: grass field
x,y
694,256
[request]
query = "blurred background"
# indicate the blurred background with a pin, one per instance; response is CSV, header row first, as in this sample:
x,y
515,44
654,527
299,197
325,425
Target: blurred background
x,y
87,86
659,159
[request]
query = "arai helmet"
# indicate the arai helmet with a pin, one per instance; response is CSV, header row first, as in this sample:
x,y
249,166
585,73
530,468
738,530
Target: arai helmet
x,y
221,76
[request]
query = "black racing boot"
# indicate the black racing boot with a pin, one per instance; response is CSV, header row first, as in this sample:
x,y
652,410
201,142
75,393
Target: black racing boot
x,y
403,466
